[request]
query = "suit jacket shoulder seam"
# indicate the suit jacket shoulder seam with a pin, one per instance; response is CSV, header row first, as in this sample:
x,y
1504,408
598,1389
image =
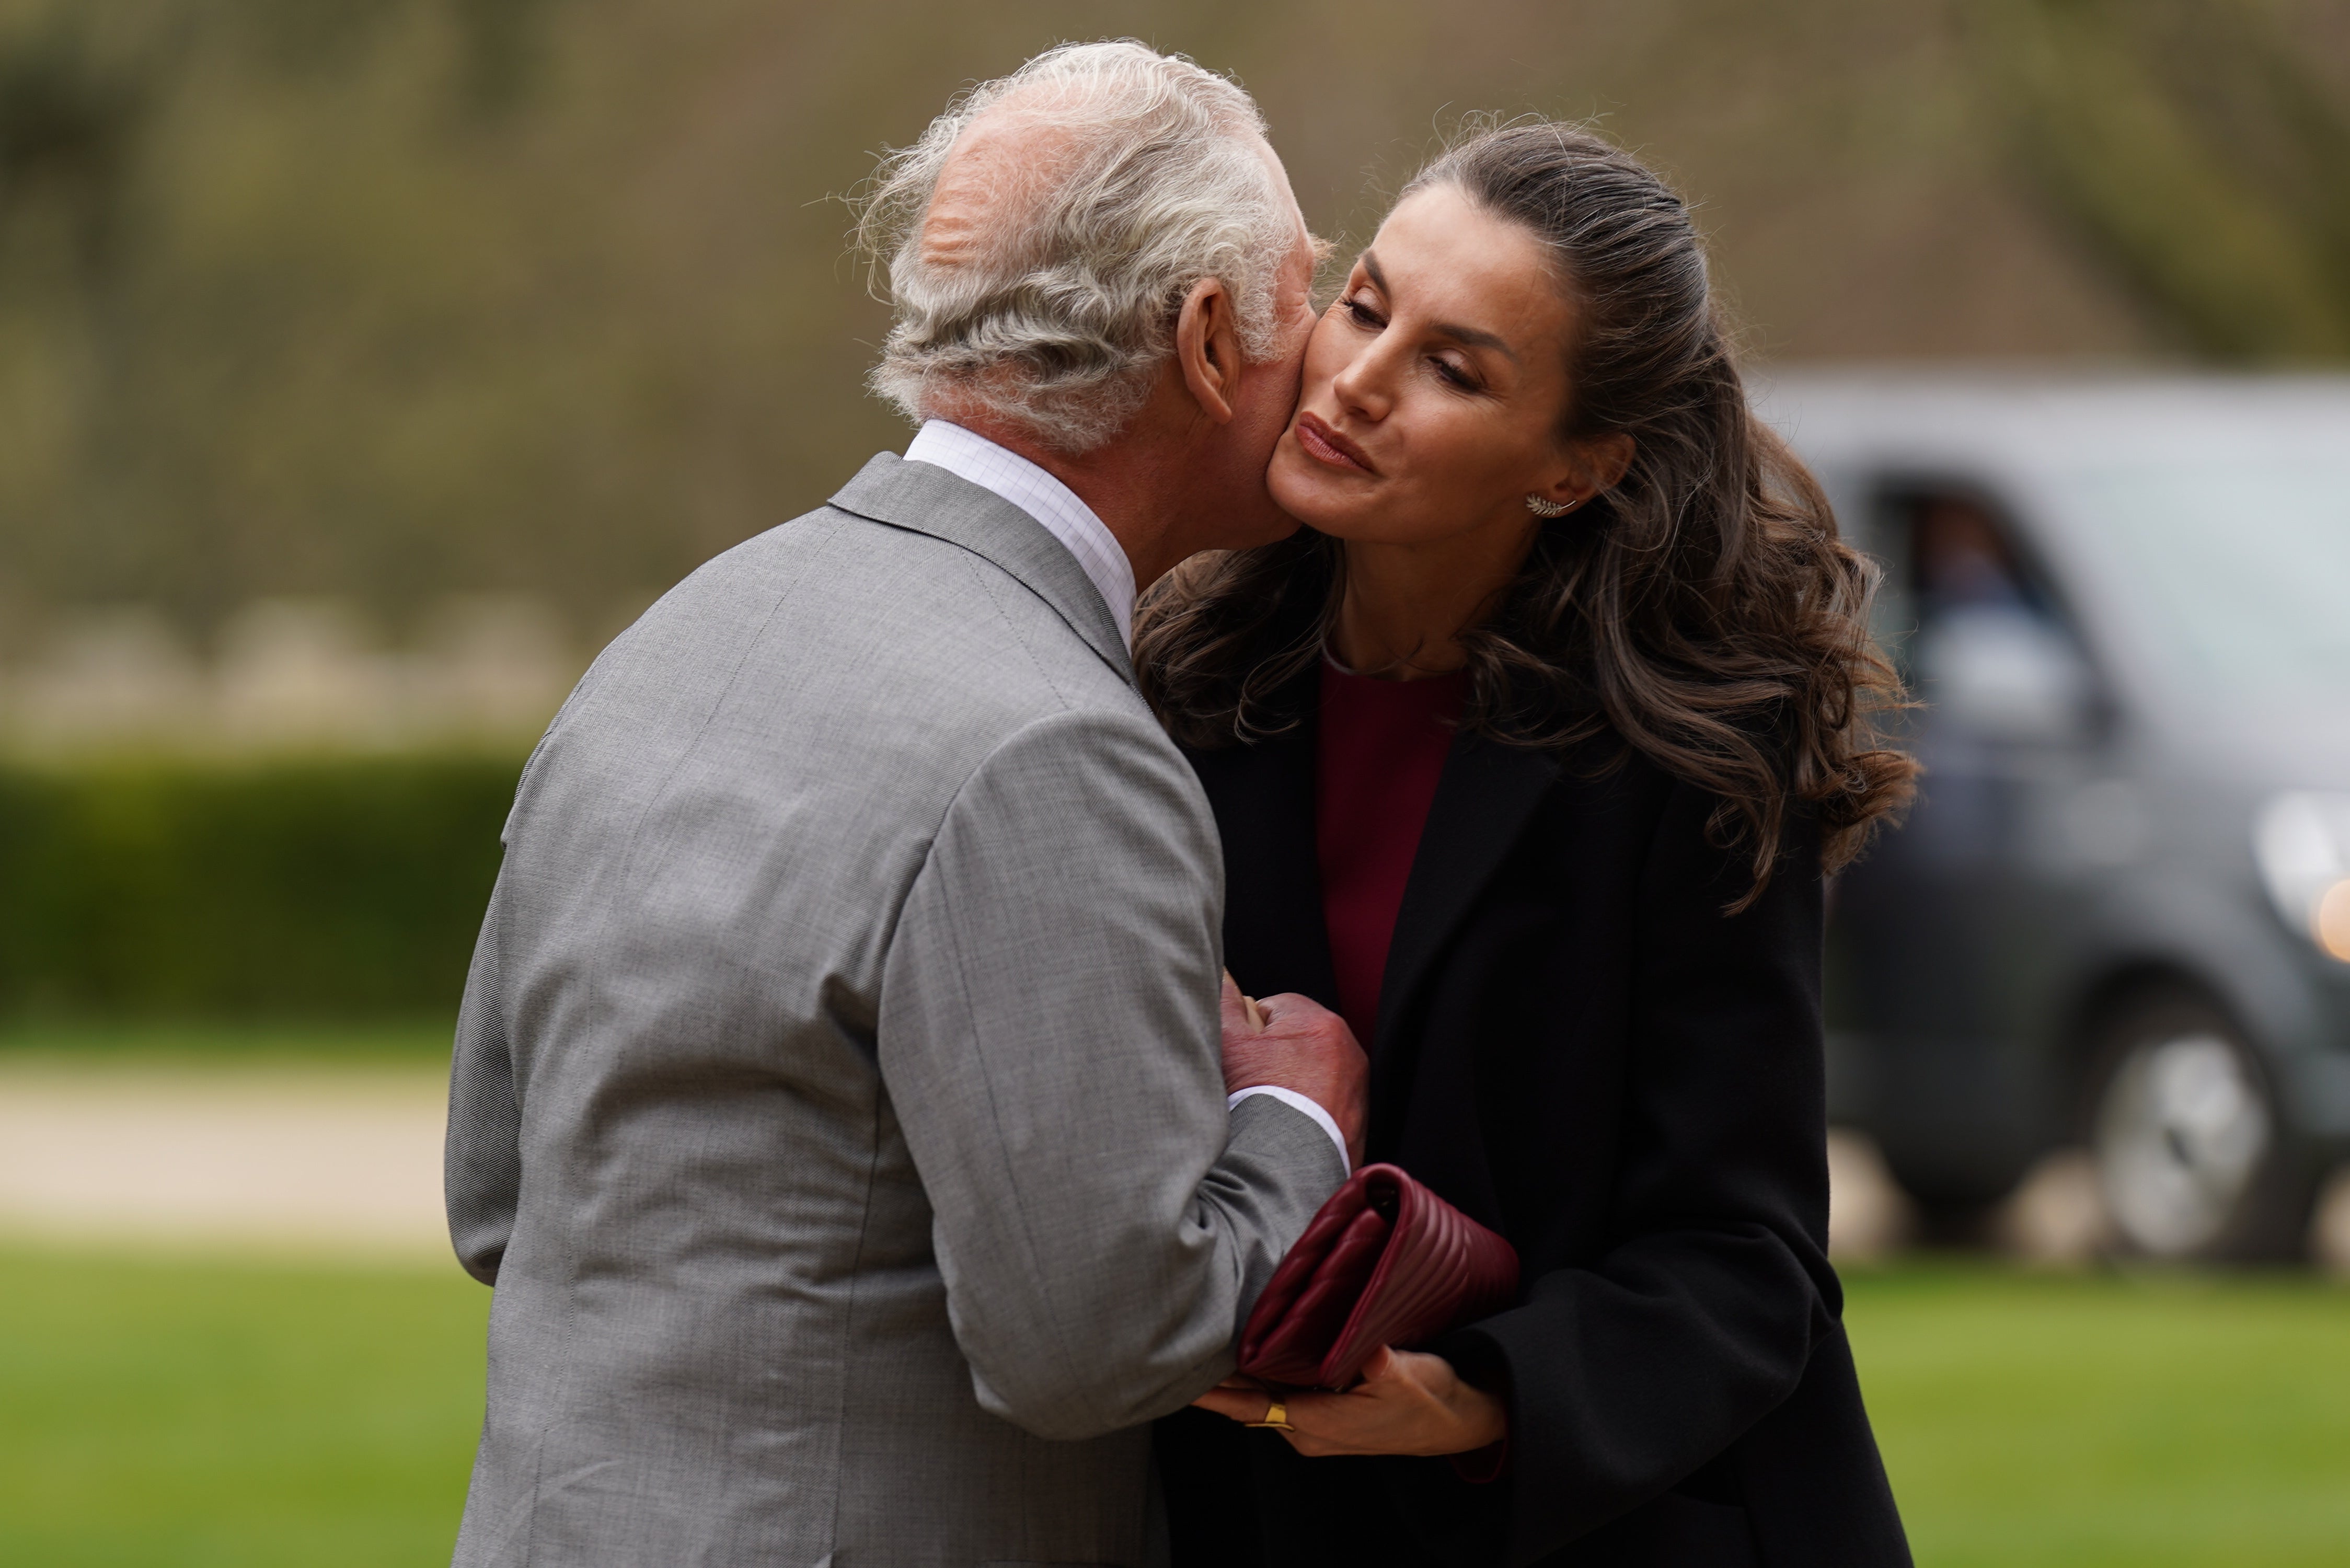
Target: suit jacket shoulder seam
x,y
983,572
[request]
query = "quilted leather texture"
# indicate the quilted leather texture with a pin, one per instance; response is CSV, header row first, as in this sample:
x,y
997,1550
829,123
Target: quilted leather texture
x,y
1385,1261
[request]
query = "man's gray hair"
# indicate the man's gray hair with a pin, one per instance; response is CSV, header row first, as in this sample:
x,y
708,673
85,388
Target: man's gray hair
x,y
1059,312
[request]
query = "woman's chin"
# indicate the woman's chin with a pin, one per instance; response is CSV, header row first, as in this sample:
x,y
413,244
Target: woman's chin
x,y
1322,501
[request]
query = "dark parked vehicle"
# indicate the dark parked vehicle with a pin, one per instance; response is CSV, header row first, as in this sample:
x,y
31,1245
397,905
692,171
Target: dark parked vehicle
x,y
2119,916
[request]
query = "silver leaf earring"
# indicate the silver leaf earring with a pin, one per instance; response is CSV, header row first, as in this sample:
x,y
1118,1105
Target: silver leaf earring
x,y
1541,508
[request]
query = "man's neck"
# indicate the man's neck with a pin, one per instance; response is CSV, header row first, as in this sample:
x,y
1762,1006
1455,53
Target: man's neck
x,y
1120,482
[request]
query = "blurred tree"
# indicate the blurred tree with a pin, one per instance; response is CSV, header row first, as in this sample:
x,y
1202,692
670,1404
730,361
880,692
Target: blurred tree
x,y
503,48
2199,153
66,125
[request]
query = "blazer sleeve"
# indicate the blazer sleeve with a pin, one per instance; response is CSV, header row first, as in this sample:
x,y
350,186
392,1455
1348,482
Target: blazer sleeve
x,y
1049,1039
1625,1377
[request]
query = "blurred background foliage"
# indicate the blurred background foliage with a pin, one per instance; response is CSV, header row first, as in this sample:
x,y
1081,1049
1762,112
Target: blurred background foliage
x,y
2199,155
388,299
322,886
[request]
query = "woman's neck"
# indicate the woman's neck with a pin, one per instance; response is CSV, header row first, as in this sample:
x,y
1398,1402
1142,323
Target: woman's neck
x,y
1405,606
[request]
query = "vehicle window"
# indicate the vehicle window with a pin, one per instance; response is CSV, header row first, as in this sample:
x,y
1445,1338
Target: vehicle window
x,y
1961,555
2242,568
1992,654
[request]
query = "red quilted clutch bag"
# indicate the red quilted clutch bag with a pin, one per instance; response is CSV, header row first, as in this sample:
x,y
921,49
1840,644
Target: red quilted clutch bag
x,y
1386,1261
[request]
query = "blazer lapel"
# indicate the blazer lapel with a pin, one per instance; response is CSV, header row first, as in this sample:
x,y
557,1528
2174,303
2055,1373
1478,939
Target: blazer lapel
x,y
1483,803
1274,937
929,500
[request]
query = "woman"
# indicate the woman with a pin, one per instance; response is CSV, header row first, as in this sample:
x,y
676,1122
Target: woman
x,y
1530,754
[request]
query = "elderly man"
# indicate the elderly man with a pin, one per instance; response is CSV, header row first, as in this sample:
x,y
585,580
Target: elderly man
x,y
837,1107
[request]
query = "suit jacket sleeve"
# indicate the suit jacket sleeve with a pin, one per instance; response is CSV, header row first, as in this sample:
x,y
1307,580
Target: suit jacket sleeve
x,y
1624,1377
1050,1040
482,1158
480,1154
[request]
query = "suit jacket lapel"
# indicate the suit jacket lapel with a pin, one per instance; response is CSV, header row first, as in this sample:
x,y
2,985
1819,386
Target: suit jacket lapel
x,y
929,500
1483,803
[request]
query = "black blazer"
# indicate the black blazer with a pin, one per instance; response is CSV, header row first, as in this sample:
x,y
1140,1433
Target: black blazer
x,y
1576,1047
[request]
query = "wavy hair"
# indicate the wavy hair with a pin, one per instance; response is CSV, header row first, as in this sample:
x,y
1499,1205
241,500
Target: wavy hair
x,y
1702,610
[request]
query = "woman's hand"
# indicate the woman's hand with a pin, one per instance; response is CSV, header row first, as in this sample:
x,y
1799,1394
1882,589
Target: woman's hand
x,y
1407,1403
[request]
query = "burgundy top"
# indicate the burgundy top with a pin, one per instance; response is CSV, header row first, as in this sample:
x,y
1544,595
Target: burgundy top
x,y
1379,753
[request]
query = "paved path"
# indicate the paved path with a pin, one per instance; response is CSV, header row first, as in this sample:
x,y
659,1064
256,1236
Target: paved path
x,y
347,1161
329,1160
310,1160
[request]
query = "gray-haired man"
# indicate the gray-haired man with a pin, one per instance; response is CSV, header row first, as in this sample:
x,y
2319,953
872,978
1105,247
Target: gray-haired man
x,y
838,1106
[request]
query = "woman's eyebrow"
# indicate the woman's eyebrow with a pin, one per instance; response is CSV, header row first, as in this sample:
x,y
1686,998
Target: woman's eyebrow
x,y
1475,337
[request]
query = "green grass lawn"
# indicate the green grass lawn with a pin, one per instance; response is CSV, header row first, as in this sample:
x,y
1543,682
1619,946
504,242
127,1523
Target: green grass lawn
x,y
2148,1421
248,1415
158,1413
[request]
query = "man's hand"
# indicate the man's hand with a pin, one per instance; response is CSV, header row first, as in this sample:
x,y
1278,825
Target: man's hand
x,y
1295,1043
1407,1403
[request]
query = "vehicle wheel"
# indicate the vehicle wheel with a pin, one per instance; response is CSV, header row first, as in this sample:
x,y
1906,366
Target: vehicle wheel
x,y
2186,1138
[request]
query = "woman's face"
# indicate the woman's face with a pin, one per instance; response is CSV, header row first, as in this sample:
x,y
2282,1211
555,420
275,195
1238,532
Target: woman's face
x,y
1434,388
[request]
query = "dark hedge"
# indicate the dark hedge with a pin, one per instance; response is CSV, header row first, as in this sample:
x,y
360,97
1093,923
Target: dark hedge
x,y
344,888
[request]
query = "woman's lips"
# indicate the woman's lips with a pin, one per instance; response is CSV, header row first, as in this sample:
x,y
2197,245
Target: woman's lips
x,y
1325,445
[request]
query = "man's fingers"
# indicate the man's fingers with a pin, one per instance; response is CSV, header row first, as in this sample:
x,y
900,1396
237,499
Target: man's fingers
x,y
1289,1010
1287,1004
1240,1015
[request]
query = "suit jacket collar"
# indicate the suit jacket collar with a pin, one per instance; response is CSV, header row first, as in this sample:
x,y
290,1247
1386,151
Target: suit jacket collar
x,y
929,500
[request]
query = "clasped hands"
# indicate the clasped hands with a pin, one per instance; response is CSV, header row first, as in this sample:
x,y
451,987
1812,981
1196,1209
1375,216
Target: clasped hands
x,y
1407,1403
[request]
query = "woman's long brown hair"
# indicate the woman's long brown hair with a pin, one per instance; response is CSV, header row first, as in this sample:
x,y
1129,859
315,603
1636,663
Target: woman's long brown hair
x,y
1703,609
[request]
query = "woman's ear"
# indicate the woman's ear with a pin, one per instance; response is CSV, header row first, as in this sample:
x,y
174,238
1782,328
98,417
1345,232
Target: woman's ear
x,y
1592,465
1208,349
1611,460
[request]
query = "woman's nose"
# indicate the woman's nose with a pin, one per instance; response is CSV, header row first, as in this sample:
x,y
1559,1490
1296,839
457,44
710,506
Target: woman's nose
x,y
1365,387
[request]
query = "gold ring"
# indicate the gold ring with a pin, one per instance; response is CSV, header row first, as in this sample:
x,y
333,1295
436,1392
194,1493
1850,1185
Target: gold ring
x,y
1276,1416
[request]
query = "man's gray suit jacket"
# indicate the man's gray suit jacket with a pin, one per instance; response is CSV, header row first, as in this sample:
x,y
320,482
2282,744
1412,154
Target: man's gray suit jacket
x,y
837,1105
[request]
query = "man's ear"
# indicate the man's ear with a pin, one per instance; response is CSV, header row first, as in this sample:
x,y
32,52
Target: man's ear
x,y
1208,349
1592,466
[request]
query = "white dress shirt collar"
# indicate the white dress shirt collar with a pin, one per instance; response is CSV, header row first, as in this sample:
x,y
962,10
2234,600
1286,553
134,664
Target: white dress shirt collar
x,y
1047,500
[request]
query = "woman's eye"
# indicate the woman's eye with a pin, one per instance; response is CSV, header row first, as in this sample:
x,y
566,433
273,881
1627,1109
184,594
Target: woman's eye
x,y
1361,313
1454,375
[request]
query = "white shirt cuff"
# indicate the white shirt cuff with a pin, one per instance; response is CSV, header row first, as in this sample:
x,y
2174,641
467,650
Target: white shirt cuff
x,y
1297,1101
